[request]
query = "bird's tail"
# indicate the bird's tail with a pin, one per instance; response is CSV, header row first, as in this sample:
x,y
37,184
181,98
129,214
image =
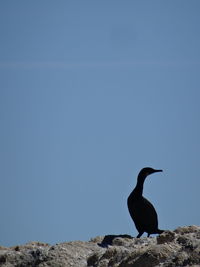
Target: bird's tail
x,y
160,231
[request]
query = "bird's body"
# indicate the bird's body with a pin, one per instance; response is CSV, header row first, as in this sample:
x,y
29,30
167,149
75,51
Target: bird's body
x,y
141,210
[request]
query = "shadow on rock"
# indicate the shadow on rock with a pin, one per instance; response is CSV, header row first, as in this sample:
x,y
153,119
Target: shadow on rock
x,y
108,239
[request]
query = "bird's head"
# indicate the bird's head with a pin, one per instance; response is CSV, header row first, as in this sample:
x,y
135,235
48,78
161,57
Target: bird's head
x,y
147,171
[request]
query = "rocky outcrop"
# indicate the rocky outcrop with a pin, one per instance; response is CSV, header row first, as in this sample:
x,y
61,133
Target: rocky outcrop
x,y
172,248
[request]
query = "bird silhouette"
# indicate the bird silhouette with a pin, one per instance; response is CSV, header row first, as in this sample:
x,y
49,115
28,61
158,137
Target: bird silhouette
x,y
141,210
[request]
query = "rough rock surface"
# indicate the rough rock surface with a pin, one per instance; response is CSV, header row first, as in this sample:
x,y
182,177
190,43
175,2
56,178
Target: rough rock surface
x,y
178,248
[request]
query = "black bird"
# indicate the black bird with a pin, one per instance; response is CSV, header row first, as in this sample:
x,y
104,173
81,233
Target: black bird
x,y
141,210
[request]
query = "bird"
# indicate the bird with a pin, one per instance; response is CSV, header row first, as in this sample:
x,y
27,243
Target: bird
x,y
141,210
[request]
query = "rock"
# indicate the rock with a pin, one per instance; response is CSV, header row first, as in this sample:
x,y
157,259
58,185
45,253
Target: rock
x,y
187,229
180,247
165,237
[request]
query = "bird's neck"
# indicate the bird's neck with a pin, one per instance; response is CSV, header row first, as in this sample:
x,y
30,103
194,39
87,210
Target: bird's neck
x,y
139,186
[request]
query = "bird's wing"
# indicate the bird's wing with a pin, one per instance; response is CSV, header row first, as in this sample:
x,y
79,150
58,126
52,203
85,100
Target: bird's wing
x,y
144,215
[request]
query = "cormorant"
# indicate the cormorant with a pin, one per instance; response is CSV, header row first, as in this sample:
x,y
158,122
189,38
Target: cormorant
x,y
141,210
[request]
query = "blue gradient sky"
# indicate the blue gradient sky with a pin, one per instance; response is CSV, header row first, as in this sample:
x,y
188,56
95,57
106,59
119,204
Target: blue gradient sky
x,y
91,92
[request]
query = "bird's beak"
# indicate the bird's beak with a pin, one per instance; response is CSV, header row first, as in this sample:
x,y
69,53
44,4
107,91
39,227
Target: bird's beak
x,y
158,170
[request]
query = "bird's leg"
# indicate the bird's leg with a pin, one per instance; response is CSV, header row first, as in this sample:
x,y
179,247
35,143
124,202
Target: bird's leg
x,y
148,235
139,235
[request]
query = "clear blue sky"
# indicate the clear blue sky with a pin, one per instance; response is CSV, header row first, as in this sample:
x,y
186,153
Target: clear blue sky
x,y
91,92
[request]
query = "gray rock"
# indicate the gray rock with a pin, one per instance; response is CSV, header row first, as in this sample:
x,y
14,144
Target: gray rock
x,y
172,248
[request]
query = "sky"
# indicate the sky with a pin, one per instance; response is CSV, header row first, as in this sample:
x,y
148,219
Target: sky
x,y
90,93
